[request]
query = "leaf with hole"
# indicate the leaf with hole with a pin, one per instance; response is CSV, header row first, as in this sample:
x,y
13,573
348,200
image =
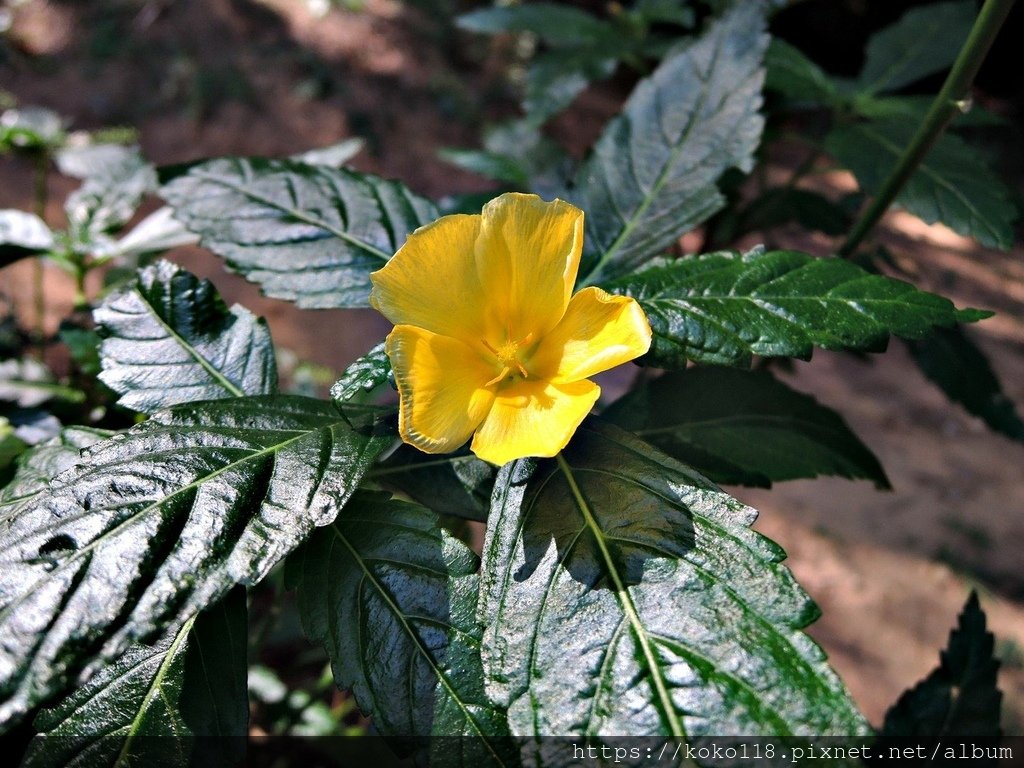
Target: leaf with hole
x,y
169,339
158,523
622,593
725,307
307,233
743,427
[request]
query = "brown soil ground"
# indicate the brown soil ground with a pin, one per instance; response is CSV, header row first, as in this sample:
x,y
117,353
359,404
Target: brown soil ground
x,y
890,570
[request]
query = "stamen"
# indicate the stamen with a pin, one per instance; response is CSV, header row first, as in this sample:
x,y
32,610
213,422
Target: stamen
x,y
522,371
492,349
504,372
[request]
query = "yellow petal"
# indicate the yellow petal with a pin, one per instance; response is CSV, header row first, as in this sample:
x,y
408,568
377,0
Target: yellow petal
x,y
598,332
533,418
432,281
527,256
440,385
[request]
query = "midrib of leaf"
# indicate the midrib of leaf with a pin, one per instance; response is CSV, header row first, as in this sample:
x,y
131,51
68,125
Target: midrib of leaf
x,y
203,362
927,170
369,575
79,553
153,690
626,601
297,214
631,223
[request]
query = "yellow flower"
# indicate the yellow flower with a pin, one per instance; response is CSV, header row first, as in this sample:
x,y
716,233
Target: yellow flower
x,y
487,341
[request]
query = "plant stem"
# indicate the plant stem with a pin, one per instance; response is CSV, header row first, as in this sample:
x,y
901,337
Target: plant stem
x,y
945,106
40,195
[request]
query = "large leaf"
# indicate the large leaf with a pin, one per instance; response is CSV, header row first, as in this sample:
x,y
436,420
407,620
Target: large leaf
x,y
953,361
307,233
953,183
169,339
725,307
653,172
392,598
744,427
924,41
960,697
158,523
625,594
181,698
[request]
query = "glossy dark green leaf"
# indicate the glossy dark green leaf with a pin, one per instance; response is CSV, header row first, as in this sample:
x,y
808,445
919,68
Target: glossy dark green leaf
x,y
624,594
793,74
725,307
158,523
169,339
22,234
108,198
952,185
365,374
924,41
955,363
392,597
743,427
960,697
653,173
307,233
180,701
557,25
458,485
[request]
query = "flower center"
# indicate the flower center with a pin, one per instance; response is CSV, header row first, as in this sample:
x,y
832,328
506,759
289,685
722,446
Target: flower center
x,y
507,355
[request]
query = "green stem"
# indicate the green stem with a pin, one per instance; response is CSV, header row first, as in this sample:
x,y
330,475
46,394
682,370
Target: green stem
x,y
40,194
943,109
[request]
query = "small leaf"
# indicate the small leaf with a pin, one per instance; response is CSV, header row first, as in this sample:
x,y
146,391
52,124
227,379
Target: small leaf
x,y
458,485
169,339
22,234
158,523
31,128
744,427
924,41
392,597
334,156
557,77
960,697
365,374
653,173
29,383
158,232
950,359
624,594
108,198
183,698
953,183
306,233
793,74
556,25
724,307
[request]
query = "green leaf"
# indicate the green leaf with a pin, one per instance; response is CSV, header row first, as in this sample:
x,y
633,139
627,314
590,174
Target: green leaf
x,y
953,361
22,234
159,231
653,173
953,184
744,427
365,374
306,233
169,339
557,77
108,199
624,594
924,41
39,465
392,597
556,25
158,523
784,204
458,485
725,307
913,109
334,155
960,697
794,75
31,128
181,699
28,383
